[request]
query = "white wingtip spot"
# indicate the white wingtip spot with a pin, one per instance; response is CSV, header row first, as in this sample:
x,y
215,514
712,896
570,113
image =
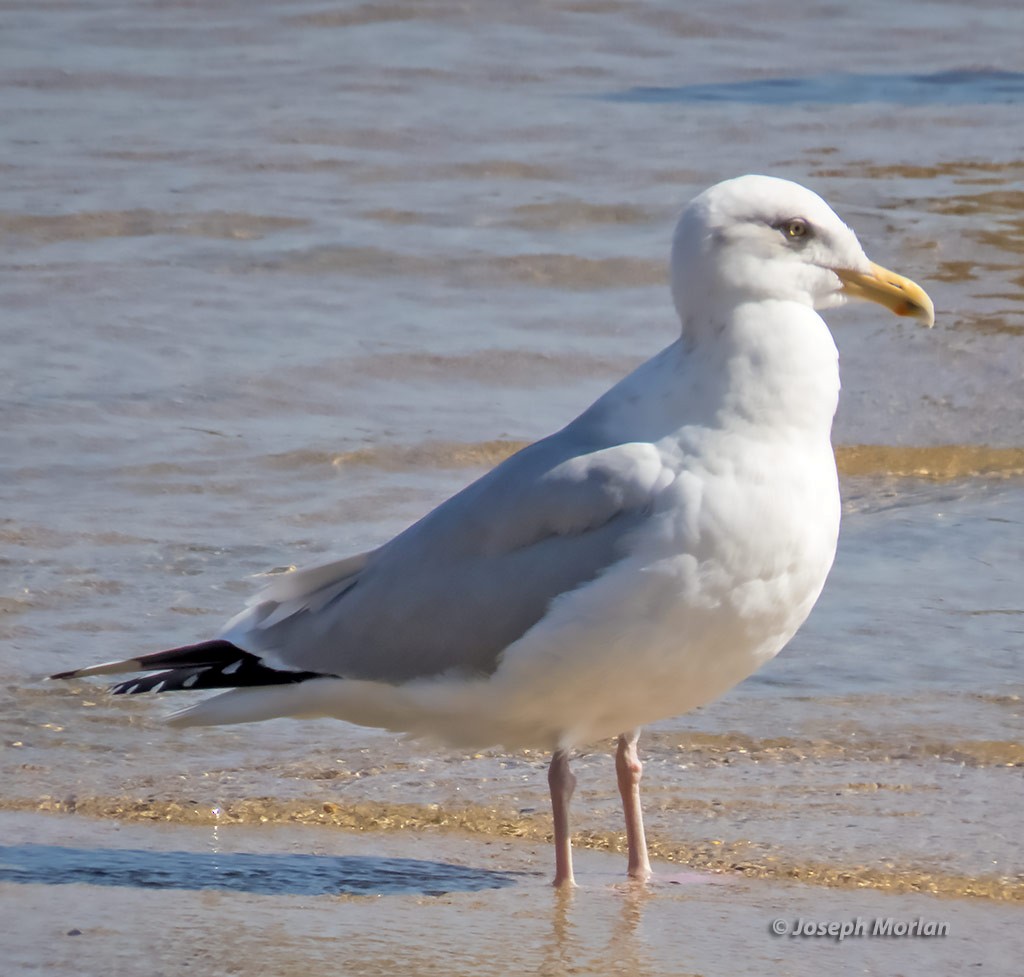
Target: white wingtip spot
x,y
190,681
158,686
231,669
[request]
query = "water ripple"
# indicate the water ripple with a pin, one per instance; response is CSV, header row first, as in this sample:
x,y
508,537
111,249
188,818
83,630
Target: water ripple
x,y
957,87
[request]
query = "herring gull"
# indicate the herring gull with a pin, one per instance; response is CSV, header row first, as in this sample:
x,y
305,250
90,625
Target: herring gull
x,y
633,566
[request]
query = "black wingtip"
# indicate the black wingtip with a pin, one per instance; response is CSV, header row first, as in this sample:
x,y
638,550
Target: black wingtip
x,y
245,671
206,653
216,664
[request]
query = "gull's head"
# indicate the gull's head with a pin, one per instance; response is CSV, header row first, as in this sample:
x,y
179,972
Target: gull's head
x,y
758,238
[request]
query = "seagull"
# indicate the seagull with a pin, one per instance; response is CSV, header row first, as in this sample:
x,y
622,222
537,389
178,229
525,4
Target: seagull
x,y
634,565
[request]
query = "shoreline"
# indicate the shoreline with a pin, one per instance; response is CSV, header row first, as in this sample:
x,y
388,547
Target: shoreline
x,y
736,859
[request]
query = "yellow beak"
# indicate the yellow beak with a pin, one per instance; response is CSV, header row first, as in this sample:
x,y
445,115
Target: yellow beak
x,y
895,292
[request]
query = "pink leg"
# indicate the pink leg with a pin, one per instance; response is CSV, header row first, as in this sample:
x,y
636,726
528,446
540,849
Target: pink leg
x,y
629,770
562,783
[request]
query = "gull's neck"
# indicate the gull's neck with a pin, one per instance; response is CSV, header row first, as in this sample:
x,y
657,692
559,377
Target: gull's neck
x,y
769,369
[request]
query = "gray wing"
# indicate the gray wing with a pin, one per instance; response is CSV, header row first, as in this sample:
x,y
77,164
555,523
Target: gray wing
x,y
459,586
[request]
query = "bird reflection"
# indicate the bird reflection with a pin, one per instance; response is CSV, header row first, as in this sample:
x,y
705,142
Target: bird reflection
x,y
571,948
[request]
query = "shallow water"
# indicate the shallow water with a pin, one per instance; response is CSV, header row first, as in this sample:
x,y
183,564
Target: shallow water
x,y
273,874
278,277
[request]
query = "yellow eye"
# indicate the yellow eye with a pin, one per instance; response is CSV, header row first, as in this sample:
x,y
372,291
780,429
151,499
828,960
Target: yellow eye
x,y
796,228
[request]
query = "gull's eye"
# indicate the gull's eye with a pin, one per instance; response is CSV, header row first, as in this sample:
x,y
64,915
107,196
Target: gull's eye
x,y
796,229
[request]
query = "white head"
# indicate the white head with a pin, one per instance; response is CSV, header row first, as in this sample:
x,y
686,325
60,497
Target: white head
x,y
758,238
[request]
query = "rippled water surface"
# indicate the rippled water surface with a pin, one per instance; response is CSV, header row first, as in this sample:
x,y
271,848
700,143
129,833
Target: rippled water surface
x,y
280,276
